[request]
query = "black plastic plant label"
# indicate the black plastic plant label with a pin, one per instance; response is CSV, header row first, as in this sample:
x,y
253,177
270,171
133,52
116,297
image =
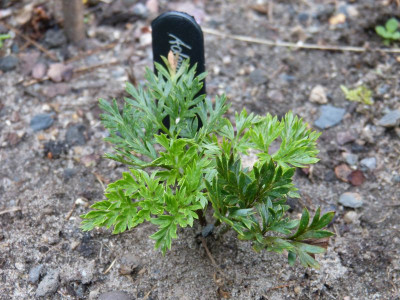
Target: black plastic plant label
x,y
179,32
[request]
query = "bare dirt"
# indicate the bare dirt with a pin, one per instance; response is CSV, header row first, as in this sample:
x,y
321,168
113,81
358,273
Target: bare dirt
x,y
44,187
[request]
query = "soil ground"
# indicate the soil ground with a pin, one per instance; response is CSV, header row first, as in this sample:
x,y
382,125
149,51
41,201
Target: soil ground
x,y
39,191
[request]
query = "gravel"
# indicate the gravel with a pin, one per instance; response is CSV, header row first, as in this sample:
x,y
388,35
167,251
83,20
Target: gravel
x,y
391,119
49,284
8,63
369,163
76,135
329,116
41,122
115,295
352,200
35,273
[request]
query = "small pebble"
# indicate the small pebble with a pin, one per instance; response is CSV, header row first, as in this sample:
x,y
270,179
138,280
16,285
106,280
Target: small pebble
x,y
369,163
345,137
114,295
330,116
41,122
342,172
8,63
76,135
15,48
356,178
129,264
275,96
298,290
55,38
352,200
35,273
49,284
382,89
303,18
391,119
350,158
82,202
258,77
207,230
318,95
39,70
350,217
140,10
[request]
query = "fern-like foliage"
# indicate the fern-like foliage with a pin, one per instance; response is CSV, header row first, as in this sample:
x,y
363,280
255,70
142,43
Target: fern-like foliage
x,y
176,171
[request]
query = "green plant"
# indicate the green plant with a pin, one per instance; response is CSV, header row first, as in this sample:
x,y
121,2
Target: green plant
x,y
2,38
177,171
360,94
389,32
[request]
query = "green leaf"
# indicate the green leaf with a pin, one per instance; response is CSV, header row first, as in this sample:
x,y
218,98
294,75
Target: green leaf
x,y
392,25
292,258
307,261
315,234
325,220
380,30
305,218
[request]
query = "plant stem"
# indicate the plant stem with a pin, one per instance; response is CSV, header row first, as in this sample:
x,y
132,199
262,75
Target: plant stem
x,y
202,218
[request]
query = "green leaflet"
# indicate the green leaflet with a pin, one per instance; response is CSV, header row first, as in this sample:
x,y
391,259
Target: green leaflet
x,y
175,172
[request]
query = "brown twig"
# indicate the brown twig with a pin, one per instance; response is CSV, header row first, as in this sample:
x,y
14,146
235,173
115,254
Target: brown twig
x,y
109,268
27,38
100,179
94,67
12,209
204,244
249,39
70,212
281,286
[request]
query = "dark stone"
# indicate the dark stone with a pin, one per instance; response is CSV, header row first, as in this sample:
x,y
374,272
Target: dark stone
x,y
140,294
303,18
330,176
293,203
43,249
75,135
54,149
258,77
15,48
8,63
324,12
357,148
115,295
49,284
207,230
54,38
80,290
87,247
41,122
329,116
69,173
